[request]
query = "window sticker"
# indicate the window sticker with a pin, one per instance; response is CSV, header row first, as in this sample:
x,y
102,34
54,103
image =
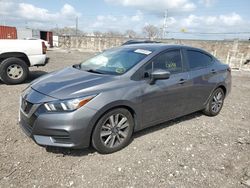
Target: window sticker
x,y
120,70
141,51
170,65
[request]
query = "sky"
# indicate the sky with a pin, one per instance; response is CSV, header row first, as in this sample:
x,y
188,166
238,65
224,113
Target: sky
x,y
196,19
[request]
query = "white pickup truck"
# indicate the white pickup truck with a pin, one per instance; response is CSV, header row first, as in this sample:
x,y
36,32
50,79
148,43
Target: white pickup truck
x,y
16,56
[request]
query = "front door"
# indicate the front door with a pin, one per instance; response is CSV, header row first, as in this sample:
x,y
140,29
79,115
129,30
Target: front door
x,y
166,99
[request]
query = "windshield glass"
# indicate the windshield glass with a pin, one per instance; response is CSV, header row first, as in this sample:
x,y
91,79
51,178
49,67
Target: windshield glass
x,y
115,61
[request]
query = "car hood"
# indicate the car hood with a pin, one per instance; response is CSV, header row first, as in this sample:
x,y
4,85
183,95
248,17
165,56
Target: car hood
x,y
71,82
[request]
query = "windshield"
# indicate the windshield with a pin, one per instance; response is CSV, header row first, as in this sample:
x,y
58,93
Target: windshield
x,y
115,61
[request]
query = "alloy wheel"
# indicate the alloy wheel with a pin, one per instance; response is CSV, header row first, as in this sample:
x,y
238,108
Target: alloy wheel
x,y
217,102
115,130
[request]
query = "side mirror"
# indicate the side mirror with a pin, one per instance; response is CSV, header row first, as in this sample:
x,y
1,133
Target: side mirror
x,y
158,74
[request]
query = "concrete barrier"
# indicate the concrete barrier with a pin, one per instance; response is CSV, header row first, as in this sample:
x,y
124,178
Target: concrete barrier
x,y
235,53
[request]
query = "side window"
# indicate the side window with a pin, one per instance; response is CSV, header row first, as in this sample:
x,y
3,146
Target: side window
x,y
198,59
170,61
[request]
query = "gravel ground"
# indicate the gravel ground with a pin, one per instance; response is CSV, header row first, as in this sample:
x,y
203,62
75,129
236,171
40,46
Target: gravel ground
x,y
192,151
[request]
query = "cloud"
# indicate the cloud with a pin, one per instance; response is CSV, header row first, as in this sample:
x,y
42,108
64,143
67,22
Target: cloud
x,y
119,23
148,12
138,17
69,11
207,3
15,13
231,20
157,5
207,27
101,20
30,12
171,21
5,7
228,20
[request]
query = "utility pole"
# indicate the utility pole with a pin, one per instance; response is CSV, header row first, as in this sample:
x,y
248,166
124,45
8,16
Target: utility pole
x,y
57,29
164,28
76,25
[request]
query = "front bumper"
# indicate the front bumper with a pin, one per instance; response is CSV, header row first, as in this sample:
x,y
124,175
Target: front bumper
x,y
72,130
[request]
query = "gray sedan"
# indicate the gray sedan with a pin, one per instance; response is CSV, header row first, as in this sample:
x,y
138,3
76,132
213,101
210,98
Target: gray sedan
x,y
103,100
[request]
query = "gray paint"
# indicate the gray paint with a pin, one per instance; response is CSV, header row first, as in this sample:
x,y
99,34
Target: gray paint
x,y
151,104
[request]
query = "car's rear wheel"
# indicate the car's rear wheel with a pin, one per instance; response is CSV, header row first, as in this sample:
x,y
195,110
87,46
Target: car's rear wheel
x,y
113,131
215,103
13,70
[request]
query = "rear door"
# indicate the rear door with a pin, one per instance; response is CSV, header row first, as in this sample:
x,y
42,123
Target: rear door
x,y
202,71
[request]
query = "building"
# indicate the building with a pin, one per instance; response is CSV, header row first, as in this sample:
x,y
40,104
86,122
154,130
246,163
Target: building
x,y
7,32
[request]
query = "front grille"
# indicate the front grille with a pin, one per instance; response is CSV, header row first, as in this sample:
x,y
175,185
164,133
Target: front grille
x,y
31,120
28,120
26,106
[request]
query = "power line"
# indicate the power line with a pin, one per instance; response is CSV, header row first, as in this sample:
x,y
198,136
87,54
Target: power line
x,y
213,33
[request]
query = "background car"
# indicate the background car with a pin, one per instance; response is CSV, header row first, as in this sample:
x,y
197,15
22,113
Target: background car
x,y
45,42
103,100
16,56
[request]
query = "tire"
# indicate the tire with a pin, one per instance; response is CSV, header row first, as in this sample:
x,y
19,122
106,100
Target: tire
x,y
109,137
13,71
215,103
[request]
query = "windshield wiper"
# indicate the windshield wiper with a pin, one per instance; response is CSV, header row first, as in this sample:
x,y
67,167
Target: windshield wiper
x,y
94,71
77,66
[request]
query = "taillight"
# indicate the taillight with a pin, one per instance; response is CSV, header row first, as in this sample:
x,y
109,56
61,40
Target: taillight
x,y
44,48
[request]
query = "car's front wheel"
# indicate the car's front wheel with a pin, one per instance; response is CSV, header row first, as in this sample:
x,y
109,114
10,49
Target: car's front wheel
x,y
113,131
215,103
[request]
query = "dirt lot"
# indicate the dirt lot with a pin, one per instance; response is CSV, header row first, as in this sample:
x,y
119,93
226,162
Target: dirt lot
x,y
192,151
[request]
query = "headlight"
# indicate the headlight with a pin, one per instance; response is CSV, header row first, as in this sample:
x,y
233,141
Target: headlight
x,y
67,105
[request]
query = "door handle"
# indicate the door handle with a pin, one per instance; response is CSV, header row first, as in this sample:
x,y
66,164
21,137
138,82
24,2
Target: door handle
x,y
182,81
213,71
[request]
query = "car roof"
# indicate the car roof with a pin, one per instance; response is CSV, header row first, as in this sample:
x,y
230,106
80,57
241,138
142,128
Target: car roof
x,y
160,47
149,46
129,42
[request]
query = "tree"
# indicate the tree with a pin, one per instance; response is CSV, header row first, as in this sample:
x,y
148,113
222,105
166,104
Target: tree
x,y
130,33
151,31
113,34
98,33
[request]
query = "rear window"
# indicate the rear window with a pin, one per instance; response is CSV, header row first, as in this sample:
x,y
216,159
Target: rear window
x,y
198,59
